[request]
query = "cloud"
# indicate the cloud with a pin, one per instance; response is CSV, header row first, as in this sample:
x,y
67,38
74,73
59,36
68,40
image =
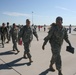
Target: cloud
x,y
16,14
61,8
66,9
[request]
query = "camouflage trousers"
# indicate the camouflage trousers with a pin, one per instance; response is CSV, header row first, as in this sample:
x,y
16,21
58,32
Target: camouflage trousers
x,y
8,37
56,58
3,37
27,50
14,41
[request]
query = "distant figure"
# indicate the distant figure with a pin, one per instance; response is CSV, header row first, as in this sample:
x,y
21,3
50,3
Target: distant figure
x,y
26,33
32,27
44,27
56,35
70,27
35,27
3,31
8,32
14,34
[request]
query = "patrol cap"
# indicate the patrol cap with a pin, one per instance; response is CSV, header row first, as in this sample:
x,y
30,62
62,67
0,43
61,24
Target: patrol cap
x,y
59,18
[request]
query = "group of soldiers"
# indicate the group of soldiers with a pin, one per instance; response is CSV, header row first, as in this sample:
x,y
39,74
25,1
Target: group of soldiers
x,y
57,33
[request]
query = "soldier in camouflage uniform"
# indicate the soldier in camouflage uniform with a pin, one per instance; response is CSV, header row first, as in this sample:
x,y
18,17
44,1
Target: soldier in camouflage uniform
x,y
56,35
14,35
8,32
3,31
26,33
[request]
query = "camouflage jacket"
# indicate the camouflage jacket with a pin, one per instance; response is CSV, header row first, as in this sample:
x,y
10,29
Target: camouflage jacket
x,y
14,33
26,33
3,31
56,35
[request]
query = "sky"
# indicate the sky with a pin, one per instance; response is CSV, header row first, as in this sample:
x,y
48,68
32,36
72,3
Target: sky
x,y
39,12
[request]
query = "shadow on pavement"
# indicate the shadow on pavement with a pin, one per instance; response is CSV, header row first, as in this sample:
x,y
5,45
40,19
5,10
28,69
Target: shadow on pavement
x,y
44,72
12,64
7,53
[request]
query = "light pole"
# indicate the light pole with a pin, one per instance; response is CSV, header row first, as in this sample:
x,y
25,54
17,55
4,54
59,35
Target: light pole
x,y
32,17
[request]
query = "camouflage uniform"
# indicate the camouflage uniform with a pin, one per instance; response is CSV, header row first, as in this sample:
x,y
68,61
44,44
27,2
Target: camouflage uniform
x,y
27,35
14,35
3,34
55,37
8,33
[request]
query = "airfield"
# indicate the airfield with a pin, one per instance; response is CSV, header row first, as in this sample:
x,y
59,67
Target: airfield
x,y
14,64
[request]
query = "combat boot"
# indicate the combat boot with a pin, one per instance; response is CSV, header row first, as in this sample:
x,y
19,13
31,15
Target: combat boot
x,y
24,56
30,60
7,42
60,73
2,45
51,68
13,49
18,51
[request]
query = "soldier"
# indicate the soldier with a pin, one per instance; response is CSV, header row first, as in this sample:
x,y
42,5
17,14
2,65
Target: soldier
x,y
70,28
44,27
14,35
3,33
55,37
26,33
8,32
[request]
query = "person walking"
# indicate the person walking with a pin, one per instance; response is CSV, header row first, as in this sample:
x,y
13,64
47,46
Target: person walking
x,y
26,33
56,35
44,27
14,35
70,28
3,31
8,32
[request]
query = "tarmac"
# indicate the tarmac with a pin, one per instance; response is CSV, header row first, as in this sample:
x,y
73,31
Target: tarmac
x,y
14,64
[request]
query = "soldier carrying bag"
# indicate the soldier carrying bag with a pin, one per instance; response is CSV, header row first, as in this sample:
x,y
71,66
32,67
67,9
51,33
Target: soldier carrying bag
x,y
70,49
